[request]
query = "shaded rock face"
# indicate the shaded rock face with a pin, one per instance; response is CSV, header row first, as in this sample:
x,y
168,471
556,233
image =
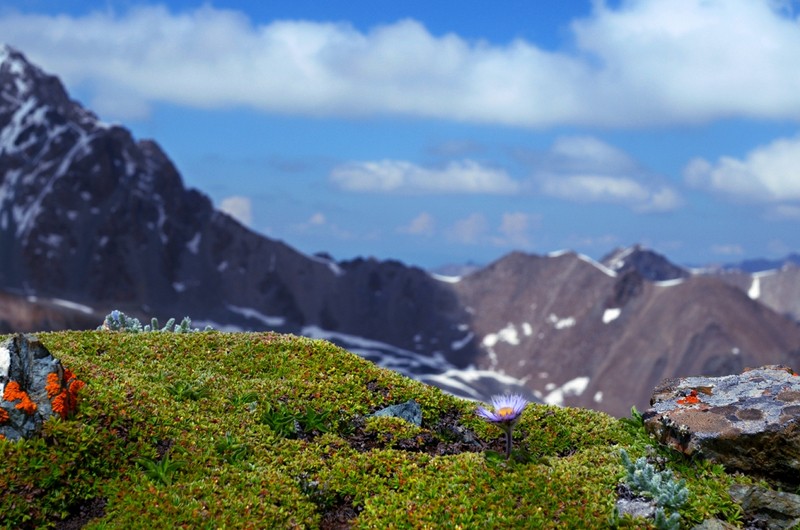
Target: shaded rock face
x,y
25,365
765,508
746,422
648,264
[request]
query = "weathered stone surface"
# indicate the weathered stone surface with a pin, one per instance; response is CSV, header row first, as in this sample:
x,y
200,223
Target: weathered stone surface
x,y
25,365
771,509
747,422
714,524
409,411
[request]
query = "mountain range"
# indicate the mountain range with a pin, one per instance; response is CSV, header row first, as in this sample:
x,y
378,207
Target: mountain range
x,y
92,220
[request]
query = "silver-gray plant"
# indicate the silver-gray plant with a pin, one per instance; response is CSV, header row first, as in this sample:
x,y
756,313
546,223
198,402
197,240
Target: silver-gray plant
x,y
660,486
119,321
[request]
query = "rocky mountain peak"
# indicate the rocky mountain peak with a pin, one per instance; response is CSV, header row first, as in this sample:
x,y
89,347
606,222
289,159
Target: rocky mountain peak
x,y
650,265
25,86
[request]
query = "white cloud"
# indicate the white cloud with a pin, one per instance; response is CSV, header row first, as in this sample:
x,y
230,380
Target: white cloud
x,y
601,188
469,231
389,176
585,169
319,224
769,173
317,219
727,249
515,229
422,225
642,62
785,211
238,207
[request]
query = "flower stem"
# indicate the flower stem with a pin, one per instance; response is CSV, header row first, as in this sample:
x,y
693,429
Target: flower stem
x,y
508,443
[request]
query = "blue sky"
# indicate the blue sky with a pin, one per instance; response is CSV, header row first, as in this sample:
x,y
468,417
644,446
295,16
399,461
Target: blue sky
x,y
445,132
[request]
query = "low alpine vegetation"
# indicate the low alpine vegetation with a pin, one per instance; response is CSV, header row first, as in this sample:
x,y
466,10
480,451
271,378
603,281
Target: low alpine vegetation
x,y
262,430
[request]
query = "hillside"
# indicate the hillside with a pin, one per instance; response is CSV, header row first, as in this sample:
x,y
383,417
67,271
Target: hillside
x,y
200,430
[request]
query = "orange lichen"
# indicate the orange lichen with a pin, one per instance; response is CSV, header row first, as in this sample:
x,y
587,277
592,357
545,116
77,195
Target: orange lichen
x,y
26,405
691,399
13,392
61,404
75,386
53,386
3,415
65,401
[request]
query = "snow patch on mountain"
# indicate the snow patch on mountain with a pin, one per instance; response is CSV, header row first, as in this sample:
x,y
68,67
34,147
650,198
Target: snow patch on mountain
x,y
443,278
62,303
573,387
561,323
754,292
461,343
611,314
193,245
248,312
464,380
669,283
330,263
598,265
618,260
508,335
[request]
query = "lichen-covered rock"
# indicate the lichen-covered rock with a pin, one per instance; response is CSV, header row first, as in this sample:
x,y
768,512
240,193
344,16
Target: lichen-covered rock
x,y
747,422
33,386
409,411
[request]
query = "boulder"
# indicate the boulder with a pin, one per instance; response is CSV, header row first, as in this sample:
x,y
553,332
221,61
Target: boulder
x,y
33,387
746,422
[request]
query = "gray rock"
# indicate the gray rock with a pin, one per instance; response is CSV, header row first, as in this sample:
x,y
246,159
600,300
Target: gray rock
x,y
747,422
24,360
714,524
777,510
409,411
637,508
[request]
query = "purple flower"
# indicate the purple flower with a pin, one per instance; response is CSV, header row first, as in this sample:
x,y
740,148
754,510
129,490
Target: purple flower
x,y
507,410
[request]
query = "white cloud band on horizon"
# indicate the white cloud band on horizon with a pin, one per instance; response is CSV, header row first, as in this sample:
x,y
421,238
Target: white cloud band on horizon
x,y
641,63
392,176
585,169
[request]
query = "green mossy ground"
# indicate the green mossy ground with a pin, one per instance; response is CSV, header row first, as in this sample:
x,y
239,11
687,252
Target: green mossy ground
x,y
200,430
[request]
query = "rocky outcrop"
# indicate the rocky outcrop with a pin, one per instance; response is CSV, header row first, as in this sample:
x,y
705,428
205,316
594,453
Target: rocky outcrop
x,y
748,422
34,386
